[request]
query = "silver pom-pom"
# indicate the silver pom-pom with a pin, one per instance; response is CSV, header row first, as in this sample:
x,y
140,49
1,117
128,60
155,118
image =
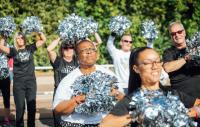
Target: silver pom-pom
x,y
193,46
97,92
31,24
4,69
7,26
92,26
74,28
119,24
157,109
149,32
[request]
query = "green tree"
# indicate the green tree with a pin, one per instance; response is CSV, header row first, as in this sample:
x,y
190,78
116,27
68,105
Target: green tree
x,y
51,12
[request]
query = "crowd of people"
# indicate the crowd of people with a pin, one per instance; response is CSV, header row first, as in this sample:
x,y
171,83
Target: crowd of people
x,y
142,91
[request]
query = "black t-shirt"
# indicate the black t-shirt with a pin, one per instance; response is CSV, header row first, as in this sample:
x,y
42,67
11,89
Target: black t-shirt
x,y
62,68
122,108
191,68
23,66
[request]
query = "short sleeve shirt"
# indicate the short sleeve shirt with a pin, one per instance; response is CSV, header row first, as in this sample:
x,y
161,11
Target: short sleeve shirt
x,y
174,54
65,92
62,68
23,66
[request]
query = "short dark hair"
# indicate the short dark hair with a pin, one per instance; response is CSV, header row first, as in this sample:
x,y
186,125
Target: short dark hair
x,y
64,46
76,47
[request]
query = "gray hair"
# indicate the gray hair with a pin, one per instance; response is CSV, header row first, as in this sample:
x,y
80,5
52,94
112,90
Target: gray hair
x,y
175,23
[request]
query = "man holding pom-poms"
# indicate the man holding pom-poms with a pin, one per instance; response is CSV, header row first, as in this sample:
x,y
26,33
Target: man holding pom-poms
x,y
182,63
120,57
24,82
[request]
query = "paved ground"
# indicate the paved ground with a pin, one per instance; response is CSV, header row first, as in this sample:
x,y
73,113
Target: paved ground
x,y
44,101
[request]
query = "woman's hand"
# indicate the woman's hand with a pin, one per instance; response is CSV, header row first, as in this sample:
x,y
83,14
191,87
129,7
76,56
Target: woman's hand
x,y
197,102
117,94
2,41
187,57
79,98
194,112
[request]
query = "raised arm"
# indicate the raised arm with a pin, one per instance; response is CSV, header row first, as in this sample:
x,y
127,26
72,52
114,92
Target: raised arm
x,y
41,40
50,49
3,48
115,121
97,38
110,45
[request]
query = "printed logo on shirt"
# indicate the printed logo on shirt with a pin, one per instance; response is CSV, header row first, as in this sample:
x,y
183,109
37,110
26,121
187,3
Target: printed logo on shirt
x,y
67,69
23,56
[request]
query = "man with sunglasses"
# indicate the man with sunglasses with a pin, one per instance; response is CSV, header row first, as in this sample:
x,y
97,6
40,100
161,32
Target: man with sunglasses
x,y
184,76
120,57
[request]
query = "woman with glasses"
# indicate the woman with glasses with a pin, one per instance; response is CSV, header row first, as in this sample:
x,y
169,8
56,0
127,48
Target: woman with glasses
x,y
62,64
148,104
24,80
66,61
85,95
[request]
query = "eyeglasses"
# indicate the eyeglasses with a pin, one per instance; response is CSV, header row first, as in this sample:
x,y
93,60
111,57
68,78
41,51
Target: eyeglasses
x,y
149,63
177,32
127,41
88,50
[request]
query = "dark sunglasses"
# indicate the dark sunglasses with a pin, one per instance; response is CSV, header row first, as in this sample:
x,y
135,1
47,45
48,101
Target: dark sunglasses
x,y
68,47
177,32
127,41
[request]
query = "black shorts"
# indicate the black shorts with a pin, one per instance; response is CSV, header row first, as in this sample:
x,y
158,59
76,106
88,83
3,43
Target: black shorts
x,y
5,90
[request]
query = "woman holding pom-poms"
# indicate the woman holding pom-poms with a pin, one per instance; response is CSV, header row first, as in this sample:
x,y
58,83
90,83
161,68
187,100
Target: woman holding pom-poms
x,y
66,61
7,27
85,95
62,64
24,82
149,103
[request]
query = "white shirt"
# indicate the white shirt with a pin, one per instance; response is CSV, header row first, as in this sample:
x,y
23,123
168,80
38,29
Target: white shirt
x,y
120,61
64,92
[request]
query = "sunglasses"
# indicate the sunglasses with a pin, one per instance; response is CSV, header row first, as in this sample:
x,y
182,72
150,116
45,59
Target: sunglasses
x,y
68,47
177,32
127,41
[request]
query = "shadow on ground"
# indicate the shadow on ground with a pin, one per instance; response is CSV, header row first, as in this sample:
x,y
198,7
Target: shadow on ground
x,y
46,117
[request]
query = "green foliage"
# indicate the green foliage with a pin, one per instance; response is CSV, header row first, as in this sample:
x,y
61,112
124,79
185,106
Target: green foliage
x,y
160,11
